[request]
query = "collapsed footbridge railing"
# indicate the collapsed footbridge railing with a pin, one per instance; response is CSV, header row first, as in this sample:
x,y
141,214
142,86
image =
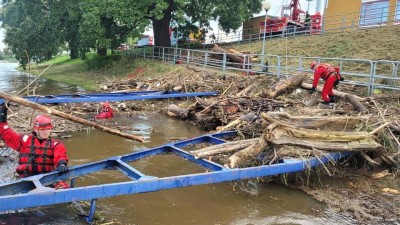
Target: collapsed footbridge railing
x,y
34,191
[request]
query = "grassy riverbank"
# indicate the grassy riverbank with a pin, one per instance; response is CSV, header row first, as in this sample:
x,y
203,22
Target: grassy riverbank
x,y
93,71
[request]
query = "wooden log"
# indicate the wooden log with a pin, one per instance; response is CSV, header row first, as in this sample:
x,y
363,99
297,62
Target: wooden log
x,y
232,57
231,124
68,117
230,147
316,122
283,86
312,101
248,153
178,112
217,56
356,103
247,89
224,145
362,145
277,130
337,93
308,133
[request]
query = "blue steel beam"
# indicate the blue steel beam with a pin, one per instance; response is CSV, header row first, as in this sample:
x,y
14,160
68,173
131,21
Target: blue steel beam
x,y
126,96
30,191
26,200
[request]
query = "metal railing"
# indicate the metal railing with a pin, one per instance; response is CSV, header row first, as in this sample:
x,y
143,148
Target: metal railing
x,y
386,16
372,75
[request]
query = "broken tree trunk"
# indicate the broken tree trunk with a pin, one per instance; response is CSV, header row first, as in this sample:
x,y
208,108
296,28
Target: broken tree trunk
x,y
356,103
67,116
283,86
280,136
336,122
248,153
223,148
232,57
178,112
337,93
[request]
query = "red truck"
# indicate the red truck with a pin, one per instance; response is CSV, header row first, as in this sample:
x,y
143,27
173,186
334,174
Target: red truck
x,y
292,19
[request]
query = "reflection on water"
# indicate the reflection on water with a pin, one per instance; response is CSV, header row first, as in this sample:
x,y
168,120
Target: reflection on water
x,y
12,81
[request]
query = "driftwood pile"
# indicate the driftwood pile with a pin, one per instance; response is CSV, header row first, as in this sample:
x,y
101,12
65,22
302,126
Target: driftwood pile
x,y
260,115
246,102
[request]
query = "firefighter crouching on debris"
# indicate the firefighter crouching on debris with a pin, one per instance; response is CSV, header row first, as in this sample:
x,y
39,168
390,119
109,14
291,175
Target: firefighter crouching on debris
x,y
105,112
331,76
38,152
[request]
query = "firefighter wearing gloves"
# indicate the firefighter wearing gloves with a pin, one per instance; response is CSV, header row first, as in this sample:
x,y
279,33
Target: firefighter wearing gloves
x,y
105,112
331,76
38,152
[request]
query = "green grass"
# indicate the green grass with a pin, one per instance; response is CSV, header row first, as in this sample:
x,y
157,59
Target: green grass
x,y
90,73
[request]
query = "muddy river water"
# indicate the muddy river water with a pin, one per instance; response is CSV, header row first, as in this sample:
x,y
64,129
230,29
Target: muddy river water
x,y
241,203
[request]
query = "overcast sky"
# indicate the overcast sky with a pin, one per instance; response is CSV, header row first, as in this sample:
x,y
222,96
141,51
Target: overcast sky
x,y
274,11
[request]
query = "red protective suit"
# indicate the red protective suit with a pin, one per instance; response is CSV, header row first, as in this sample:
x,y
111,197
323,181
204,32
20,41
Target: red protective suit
x,y
106,112
36,156
330,75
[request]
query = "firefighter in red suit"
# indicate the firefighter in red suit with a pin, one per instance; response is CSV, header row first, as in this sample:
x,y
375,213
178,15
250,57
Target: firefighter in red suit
x,y
38,152
331,76
106,111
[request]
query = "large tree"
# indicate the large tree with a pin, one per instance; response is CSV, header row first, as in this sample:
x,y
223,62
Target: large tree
x,y
31,31
230,14
106,24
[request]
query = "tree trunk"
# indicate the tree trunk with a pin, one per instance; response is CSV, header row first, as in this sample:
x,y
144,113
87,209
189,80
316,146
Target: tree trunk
x,y
360,145
178,112
337,93
317,123
284,85
223,148
102,51
74,53
356,103
45,109
232,57
161,28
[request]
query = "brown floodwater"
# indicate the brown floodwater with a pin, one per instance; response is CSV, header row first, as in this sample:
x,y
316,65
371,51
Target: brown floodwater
x,y
231,203
241,203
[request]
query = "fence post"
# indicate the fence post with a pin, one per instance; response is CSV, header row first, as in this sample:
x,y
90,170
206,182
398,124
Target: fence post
x,y
144,53
205,59
343,21
224,62
188,57
371,82
278,67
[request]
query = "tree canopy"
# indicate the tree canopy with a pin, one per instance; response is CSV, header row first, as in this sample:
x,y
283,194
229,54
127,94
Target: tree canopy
x,y
39,29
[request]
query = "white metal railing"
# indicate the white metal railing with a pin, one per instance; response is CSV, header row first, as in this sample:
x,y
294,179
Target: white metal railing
x,y
382,74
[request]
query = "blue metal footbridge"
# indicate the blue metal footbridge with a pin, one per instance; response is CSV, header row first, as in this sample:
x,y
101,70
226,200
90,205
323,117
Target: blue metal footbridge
x,y
121,96
34,191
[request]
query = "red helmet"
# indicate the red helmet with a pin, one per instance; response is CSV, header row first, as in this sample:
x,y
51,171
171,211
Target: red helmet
x,y
312,65
42,122
105,104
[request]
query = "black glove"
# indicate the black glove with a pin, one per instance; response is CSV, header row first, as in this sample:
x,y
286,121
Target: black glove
x,y
312,90
3,113
62,168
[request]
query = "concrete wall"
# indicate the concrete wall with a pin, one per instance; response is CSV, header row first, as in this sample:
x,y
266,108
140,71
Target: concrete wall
x,y
251,27
341,13
346,13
